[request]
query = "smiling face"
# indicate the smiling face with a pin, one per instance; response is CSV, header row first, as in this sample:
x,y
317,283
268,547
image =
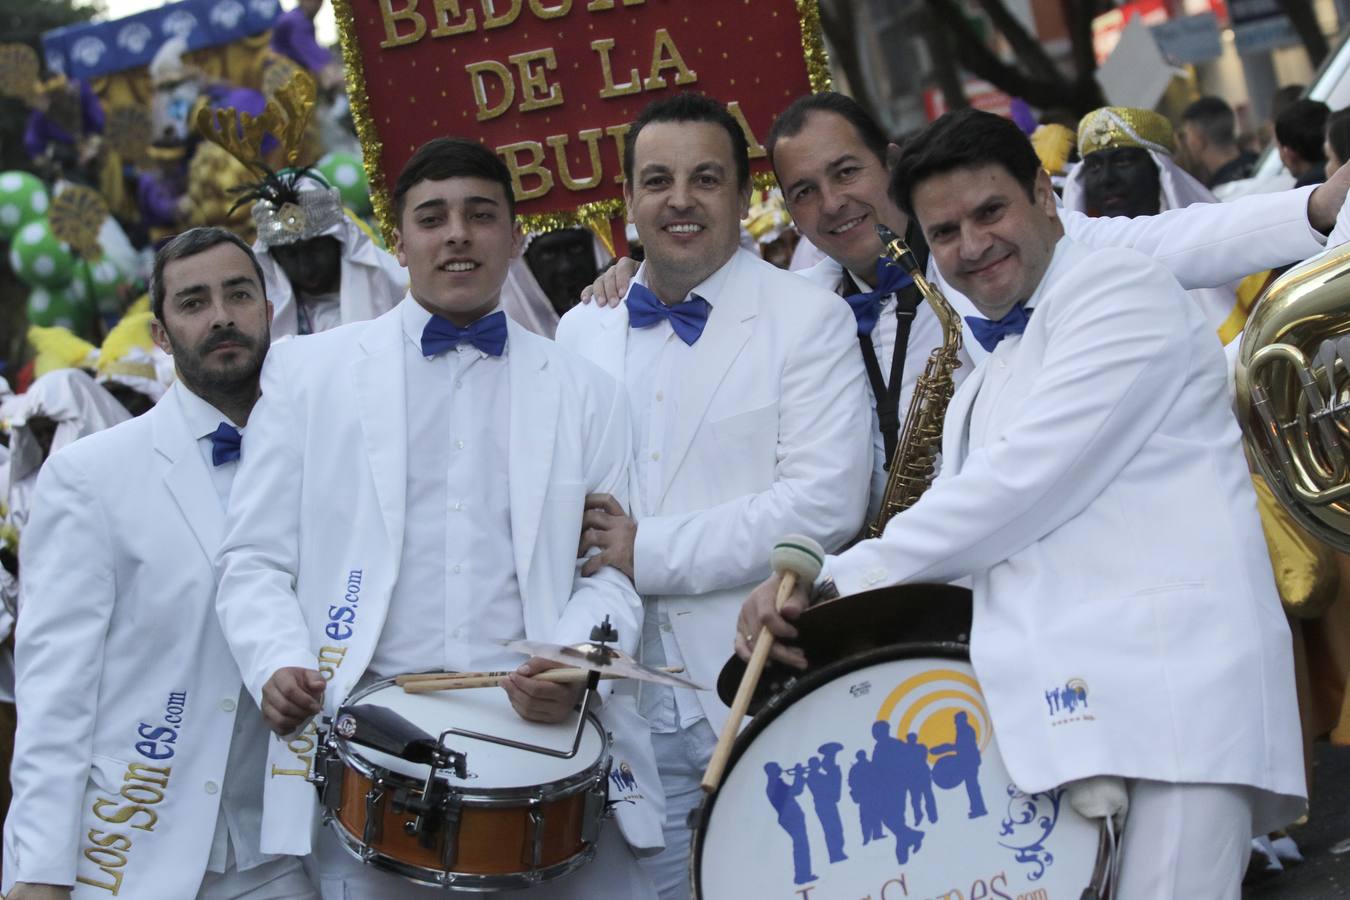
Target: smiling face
x,y
685,202
990,240
215,321
836,191
457,238
1121,181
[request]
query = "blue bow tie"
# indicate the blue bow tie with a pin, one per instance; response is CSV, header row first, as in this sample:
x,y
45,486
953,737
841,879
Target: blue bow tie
x,y
224,444
687,318
867,304
989,331
488,334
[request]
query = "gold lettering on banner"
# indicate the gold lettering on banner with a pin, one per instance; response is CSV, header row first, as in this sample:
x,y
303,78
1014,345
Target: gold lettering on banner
x,y
446,10
392,19
491,67
602,5
589,136
631,86
665,55
511,153
756,148
494,20
535,91
550,12
619,133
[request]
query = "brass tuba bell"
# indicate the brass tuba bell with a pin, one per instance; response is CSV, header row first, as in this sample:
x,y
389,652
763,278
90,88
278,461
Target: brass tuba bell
x,y
1293,393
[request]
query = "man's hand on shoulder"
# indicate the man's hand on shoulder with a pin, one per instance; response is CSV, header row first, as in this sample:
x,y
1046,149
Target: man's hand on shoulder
x,y
537,700
25,891
1326,200
291,696
608,289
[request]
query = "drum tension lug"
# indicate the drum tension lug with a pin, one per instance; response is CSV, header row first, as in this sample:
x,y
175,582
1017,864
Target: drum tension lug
x,y
434,800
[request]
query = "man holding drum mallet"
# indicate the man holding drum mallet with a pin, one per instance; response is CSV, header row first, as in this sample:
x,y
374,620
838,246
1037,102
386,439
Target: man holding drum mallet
x,y
411,496
1093,487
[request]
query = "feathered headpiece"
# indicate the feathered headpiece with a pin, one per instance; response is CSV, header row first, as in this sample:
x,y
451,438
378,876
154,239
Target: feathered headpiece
x,y
293,204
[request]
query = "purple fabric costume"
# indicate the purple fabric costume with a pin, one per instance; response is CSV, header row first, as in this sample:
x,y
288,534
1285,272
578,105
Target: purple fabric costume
x,y
293,36
42,131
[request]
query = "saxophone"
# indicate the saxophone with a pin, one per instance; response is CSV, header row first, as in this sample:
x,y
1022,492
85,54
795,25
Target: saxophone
x,y
913,466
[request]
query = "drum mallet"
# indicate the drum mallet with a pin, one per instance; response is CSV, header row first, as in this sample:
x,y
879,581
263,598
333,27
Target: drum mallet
x,y
795,558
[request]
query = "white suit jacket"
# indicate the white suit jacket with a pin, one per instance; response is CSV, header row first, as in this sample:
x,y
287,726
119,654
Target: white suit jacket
x,y
316,521
126,688
772,438
1102,504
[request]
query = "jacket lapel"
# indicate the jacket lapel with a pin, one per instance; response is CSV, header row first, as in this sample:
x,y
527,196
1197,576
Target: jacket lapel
x,y
609,349
380,386
728,329
186,477
535,397
956,424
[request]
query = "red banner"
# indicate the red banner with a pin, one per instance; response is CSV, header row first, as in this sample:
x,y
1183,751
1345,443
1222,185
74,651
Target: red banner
x,y
552,85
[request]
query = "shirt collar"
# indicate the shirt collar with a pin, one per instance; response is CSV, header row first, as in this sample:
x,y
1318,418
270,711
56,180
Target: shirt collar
x,y
202,418
864,287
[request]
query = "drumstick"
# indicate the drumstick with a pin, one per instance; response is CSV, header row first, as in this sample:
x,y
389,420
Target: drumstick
x,y
794,557
442,681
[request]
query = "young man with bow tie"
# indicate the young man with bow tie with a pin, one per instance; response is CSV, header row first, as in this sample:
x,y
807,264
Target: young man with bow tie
x,y
750,422
139,759
437,458
1094,488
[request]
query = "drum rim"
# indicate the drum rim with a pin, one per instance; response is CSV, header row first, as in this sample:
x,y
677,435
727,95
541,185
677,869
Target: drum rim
x,y
478,797
771,709
444,878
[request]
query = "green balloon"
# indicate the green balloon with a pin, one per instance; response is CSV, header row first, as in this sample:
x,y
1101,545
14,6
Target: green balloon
x,y
103,278
39,259
54,307
345,172
23,198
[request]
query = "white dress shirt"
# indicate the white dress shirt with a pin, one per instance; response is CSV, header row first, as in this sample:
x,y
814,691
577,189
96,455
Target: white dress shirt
x,y
239,822
656,363
456,591
318,312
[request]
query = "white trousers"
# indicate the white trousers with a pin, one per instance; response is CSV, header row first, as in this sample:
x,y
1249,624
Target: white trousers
x,y
614,872
1185,841
280,879
681,758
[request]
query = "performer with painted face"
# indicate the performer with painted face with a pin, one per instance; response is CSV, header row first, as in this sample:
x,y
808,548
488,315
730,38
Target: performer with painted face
x,y
1127,170
747,395
1085,464
411,495
139,759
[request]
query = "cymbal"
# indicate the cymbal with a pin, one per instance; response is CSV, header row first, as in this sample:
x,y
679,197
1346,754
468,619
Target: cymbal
x,y
846,626
597,658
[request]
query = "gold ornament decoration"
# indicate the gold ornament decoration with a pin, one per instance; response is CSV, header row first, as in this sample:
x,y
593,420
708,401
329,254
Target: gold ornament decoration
x,y
19,71
76,215
127,131
285,118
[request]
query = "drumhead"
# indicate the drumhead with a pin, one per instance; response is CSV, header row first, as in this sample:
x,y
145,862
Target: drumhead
x,y
828,791
488,711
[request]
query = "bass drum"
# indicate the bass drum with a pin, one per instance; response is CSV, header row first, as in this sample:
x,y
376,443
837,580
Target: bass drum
x,y
880,776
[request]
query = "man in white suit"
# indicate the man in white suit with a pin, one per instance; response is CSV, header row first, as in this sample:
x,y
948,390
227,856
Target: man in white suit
x,y
750,422
1095,490
438,457
139,759
830,158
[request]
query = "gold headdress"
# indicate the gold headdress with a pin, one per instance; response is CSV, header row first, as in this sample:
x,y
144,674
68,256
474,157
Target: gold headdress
x,y
1122,126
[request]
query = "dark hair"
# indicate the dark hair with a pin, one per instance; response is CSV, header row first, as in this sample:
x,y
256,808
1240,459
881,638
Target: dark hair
x,y
449,157
1338,134
965,139
792,120
191,243
1302,127
690,106
1214,118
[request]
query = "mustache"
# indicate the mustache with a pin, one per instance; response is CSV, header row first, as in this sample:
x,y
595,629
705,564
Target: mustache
x,y
227,336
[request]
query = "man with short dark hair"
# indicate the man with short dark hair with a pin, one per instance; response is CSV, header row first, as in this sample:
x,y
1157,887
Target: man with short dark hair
x,y
1209,134
1300,130
1094,489
746,390
126,687
442,454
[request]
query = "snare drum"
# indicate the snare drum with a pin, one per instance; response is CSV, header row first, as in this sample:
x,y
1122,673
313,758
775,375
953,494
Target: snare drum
x,y
518,817
880,776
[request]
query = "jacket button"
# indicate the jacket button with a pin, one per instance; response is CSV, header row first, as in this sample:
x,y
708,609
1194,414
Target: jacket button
x,y
212,787
227,704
